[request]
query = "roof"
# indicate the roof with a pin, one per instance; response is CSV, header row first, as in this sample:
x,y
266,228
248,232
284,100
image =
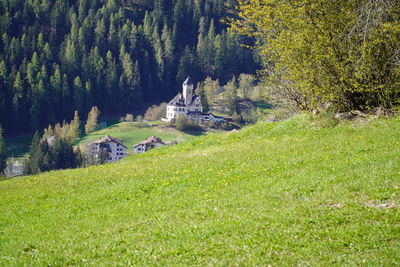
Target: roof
x,y
201,113
188,81
109,139
149,140
206,114
178,100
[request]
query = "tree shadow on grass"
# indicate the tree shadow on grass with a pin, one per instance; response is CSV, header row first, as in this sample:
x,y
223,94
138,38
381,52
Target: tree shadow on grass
x,y
195,132
262,104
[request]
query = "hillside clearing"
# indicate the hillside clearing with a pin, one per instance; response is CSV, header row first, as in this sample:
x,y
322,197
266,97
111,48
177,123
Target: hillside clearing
x,y
285,193
131,133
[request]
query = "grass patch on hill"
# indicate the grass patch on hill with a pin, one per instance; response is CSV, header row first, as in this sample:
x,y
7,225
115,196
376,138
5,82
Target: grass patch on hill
x,y
131,133
285,193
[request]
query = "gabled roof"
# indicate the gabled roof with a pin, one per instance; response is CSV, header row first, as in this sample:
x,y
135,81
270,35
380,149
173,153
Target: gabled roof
x,y
194,97
150,140
198,113
109,139
177,100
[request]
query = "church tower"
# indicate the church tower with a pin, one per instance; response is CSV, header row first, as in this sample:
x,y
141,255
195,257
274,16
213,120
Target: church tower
x,y
188,91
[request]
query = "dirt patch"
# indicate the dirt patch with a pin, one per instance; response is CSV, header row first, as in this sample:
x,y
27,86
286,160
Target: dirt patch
x,y
387,205
334,205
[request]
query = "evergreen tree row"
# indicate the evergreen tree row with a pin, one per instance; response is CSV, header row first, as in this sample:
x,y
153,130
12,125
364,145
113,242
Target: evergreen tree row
x,y
65,55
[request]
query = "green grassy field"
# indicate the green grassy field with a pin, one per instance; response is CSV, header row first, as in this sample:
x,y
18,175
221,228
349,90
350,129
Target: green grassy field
x,y
18,147
130,133
284,194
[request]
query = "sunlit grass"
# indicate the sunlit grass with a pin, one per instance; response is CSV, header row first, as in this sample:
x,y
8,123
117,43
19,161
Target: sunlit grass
x,y
132,133
289,193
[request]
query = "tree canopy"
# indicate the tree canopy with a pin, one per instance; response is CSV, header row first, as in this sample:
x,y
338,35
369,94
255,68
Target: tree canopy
x,y
122,56
343,52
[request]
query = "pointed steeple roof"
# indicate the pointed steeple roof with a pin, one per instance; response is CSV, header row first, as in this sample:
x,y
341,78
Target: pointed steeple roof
x,y
188,81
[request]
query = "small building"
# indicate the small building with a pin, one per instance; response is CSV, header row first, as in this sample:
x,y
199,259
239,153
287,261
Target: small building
x,y
148,144
15,167
204,118
106,149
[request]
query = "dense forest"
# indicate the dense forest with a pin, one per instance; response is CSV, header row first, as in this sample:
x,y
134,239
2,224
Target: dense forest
x,y
65,55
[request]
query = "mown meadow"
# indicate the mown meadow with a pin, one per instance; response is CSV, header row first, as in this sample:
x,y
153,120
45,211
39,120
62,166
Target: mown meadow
x,y
132,133
288,193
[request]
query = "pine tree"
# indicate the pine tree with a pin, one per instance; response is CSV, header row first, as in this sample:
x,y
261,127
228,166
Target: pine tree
x,y
202,93
74,129
79,158
34,155
18,91
91,123
210,89
230,96
79,94
2,152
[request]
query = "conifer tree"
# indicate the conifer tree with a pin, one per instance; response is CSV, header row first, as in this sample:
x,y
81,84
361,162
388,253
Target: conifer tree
x,y
34,155
2,152
91,123
230,96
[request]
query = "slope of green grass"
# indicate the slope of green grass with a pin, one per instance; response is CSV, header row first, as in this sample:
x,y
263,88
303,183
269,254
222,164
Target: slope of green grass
x,y
282,194
130,133
18,147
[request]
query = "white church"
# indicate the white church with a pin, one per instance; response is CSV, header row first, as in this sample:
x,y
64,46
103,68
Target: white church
x,y
189,105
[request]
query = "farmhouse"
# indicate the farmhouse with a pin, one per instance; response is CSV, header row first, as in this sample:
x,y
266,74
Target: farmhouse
x,y
189,105
106,149
147,144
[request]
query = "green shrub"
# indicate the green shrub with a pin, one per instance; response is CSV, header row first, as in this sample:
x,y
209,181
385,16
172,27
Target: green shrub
x,y
185,125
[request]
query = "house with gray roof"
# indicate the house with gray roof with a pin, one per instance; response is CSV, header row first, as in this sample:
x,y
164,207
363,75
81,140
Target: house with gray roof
x,y
189,105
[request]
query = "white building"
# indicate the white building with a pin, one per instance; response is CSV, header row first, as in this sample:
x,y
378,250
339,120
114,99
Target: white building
x,y
184,102
106,149
147,144
189,105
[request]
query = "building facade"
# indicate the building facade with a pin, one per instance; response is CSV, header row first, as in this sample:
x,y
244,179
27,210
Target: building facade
x,y
147,144
106,149
184,102
189,105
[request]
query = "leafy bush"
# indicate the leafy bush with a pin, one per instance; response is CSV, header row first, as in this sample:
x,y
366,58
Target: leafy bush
x,y
185,125
342,52
155,113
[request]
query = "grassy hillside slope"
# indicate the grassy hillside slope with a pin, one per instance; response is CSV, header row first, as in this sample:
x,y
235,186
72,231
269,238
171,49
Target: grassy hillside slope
x,y
130,133
283,194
